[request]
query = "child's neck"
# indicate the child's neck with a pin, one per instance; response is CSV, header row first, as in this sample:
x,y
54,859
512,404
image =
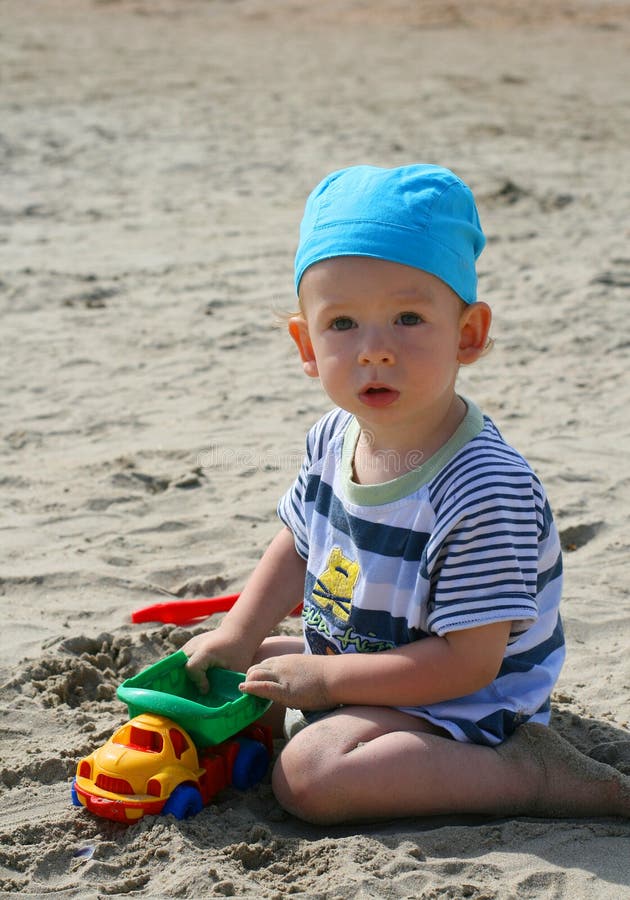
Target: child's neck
x,y
385,454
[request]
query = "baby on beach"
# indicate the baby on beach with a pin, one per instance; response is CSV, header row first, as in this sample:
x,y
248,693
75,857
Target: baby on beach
x,y
422,544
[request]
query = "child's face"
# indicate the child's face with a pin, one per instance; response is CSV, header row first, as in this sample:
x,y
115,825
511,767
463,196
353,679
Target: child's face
x,y
385,339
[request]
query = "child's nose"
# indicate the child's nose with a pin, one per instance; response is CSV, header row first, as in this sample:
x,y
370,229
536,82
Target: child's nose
x,y
376,352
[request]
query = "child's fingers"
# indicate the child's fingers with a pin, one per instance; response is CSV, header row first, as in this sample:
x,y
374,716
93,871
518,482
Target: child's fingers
x,y
261,673
267,690
197,674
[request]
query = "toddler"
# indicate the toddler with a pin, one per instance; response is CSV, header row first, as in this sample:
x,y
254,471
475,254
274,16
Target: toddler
x,y
423,545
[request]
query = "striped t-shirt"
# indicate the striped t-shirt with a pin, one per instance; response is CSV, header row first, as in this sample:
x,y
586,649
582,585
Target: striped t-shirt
x,y
464,540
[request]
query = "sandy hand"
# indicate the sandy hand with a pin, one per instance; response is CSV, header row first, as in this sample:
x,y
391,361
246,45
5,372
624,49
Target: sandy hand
x,y
293,680
213,650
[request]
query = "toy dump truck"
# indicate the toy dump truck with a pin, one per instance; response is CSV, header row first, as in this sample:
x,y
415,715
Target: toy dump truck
x,y
180,747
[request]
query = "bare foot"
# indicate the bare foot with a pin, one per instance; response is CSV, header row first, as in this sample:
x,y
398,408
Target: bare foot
x,y
571,785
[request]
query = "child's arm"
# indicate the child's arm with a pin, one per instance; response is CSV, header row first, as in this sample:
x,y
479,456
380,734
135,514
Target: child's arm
x,y
274,589
430,670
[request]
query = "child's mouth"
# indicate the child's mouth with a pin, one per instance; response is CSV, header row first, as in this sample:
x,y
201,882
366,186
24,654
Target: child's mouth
x,y
378,395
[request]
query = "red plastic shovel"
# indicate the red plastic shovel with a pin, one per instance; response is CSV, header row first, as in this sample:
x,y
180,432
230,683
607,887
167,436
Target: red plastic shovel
x,y
183,612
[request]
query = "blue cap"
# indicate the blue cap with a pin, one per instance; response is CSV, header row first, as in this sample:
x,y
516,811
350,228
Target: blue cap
x,y
420,215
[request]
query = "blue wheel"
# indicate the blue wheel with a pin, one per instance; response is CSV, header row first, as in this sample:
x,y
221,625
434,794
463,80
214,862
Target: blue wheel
x,y
251,764
73,794
185,801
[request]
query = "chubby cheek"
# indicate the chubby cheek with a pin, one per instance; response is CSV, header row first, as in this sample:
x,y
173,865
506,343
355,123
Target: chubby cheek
x,y
334,377
431,348
331,358
331,378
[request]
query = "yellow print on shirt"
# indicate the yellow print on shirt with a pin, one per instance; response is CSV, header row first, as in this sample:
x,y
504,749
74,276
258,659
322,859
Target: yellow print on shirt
x,y
334,588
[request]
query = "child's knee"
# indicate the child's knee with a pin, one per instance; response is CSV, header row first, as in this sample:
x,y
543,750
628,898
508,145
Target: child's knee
x,y
299,784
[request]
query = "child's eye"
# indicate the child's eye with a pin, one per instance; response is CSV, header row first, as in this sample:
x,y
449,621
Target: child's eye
x,y
409,318
342,323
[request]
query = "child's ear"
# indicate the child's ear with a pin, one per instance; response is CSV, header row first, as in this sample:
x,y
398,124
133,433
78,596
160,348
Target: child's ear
x,y
474,325
298,329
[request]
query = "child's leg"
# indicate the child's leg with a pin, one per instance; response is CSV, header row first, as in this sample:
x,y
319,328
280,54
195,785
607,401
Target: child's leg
x,y
362,763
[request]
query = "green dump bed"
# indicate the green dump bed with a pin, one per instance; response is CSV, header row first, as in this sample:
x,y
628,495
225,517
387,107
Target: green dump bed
x,y
165,689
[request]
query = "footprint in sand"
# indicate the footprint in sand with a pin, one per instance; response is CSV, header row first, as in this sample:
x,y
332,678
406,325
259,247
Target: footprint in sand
x,y
614,753
576,536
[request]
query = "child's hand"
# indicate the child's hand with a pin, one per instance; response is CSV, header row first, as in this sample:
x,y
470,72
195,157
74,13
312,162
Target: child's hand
x,y
295,680
214,649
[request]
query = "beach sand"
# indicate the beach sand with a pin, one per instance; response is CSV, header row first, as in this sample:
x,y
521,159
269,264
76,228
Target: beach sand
x,y
155,158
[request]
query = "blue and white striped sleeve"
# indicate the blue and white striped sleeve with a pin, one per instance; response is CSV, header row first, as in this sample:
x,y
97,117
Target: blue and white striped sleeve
x,y
483,558
291,504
